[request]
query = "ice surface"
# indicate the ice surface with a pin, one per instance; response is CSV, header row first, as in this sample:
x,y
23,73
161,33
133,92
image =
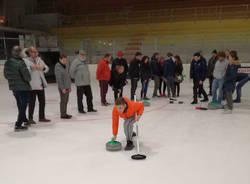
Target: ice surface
x,y
183,145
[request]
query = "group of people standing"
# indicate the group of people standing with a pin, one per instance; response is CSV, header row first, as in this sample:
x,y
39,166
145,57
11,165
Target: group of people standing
x,y
141,68
25,70
223,75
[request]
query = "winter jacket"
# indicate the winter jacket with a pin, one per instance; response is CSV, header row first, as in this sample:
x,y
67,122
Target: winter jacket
x,y
121,62
134,69
230,78
198,70
62,76
132,109
169,68
103,71
155,67
79,71
38,81
220,69
17,74
210,68
117,80
178,69
145,71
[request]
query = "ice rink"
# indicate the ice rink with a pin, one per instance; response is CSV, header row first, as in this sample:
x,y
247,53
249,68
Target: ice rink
x,y
183,145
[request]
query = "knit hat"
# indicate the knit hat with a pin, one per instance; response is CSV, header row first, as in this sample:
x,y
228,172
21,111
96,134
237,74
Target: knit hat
x,y
120,53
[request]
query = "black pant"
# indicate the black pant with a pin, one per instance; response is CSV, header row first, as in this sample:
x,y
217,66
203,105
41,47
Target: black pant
x,y
134,82
210,84
164,87
41,98
118,92
86,90
22,100
198,87
177,88
170,87
64,98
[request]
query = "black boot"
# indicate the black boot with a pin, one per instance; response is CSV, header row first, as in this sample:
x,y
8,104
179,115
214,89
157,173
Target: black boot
x,y
193,102
21,128
129,146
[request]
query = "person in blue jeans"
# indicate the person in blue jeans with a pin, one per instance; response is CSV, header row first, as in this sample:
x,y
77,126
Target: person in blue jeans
x,y
244,79
218,74
145,76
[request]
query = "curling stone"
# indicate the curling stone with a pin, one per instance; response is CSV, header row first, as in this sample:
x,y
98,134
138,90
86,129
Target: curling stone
x,y
113,146
171,102
180,102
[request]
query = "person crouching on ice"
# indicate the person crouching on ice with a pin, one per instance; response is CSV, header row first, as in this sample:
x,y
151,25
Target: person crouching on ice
x,y
131,112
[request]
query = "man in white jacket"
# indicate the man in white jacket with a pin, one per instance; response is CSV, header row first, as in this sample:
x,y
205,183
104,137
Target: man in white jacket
x,y
37,68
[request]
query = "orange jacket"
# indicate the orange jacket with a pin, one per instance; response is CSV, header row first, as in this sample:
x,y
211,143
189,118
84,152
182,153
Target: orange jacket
x,y
103,70
133,108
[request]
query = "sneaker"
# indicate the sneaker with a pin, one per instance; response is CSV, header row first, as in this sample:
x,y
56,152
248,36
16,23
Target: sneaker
x,y
32,122
228,111
20,128
204,100
27,124
146,98
44,120
194,102
82,112
67,116
105,104
237,101
92,110
129,146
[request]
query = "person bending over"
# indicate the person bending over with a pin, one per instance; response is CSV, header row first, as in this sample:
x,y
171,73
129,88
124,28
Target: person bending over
x,y
131,112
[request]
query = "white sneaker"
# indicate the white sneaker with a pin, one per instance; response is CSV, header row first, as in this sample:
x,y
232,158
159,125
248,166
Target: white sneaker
x,y
228,111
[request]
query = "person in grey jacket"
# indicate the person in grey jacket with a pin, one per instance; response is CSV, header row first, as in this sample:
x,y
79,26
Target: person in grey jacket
x,y
64,85
18,76
79,71
38,83
218,74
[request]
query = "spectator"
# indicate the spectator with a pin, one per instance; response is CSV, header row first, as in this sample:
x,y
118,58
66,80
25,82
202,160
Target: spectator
x,y
103,76
134,73
218,74
118,81
178,75
210,70
18,76
169,74
121,62
198,74
230,80
162,91
64,85
79,71
37,68
145,77
156,72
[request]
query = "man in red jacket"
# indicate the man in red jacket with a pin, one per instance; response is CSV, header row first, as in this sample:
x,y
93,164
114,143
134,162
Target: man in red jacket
x,y
103,75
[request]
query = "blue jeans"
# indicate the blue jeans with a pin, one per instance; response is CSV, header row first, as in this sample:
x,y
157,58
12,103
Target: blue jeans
x,y
22,100
239,87
217,85
144,88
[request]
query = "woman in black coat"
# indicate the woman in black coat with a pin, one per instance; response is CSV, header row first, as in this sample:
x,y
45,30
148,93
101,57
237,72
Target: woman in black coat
x,y
145,76
178,74
118,80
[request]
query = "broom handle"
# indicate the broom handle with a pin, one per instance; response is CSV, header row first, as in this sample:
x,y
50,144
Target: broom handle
x,y
137,132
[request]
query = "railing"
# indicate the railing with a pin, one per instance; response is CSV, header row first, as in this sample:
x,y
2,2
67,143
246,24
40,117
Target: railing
x,y
160,15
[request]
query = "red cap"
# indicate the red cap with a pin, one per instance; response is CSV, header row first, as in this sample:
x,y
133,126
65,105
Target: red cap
x,y
120,53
